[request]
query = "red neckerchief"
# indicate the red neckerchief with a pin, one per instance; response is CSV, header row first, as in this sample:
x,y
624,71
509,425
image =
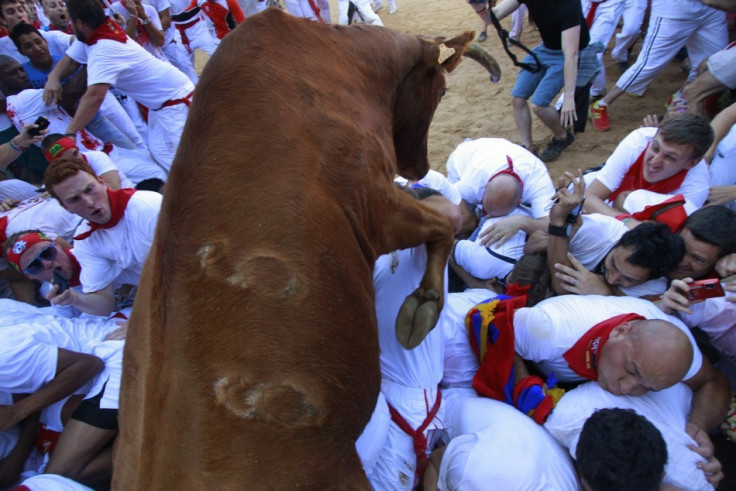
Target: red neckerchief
x,y
107,30
67,30
76,269
3,229
118,202
634,179
583,356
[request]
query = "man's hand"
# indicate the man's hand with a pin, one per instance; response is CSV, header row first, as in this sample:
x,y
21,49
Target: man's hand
x,y
650,121
568,114
501,231
8,204
578,280
705,448
66,298
9,417
675,298
721,195
566,201
118,333
52,92
726,266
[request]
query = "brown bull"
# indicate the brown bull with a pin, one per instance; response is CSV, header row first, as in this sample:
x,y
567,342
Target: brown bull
x,y
252,355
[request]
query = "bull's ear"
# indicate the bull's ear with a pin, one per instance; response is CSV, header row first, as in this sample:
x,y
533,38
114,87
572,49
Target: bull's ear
x,y
451,50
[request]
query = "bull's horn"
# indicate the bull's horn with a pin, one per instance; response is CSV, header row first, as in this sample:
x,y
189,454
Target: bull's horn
x,y
476,52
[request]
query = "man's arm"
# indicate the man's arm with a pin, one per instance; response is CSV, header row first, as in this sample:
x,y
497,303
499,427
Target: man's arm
x,y
721,125
52,90
101,302
89,104
570,42
710,398
73,370
595,200
503,9
13,463
505,228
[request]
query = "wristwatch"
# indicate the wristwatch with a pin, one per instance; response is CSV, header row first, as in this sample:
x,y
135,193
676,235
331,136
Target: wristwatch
x,y
145,21
563,231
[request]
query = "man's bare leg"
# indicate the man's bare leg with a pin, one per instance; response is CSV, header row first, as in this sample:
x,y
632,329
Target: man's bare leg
x,y
78,445
551,119
523,118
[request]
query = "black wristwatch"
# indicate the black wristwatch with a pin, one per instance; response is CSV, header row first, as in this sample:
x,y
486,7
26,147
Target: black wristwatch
x,y
563,231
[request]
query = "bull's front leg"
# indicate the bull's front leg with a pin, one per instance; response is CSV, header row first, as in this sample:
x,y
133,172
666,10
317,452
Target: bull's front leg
x,y
414,223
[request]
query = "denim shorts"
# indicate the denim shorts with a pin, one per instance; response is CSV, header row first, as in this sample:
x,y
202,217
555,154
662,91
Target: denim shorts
x,y
543,86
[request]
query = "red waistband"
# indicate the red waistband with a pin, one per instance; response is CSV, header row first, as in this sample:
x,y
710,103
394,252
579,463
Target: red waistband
x,y
173,102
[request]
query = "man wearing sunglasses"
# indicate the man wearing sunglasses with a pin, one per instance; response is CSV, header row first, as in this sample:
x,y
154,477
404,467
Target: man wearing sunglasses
x,y
113,244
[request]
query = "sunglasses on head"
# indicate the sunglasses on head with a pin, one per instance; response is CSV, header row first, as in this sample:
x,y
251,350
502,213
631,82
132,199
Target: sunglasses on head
x,y
48,253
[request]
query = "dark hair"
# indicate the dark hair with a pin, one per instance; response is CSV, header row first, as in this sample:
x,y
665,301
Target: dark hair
x,y
21,30
688,129
715,225
90,12
151,184
532,270
3,2
62,169
619,449
50,139
655,247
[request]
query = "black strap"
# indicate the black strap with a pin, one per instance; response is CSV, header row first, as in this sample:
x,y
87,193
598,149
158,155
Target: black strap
x,y
506,39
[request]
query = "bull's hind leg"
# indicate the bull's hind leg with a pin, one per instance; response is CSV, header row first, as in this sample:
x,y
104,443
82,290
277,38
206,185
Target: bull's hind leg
x,y
410,225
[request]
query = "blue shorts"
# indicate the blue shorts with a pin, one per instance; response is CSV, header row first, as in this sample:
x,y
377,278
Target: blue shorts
x,y
544,85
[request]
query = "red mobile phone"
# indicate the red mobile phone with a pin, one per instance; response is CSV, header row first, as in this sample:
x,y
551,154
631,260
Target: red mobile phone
x,y
702,289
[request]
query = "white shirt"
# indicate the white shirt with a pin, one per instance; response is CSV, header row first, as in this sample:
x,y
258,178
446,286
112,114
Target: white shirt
x,y
495,446
133,70
595,238
159,6
495,261
667,410
58,44
153,17
26,106
694,187
102,163
544,333
437,181
30,343
117,254
717,317
474,162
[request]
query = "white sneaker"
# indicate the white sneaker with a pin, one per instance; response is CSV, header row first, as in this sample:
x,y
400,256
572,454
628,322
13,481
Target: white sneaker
x,y
393,10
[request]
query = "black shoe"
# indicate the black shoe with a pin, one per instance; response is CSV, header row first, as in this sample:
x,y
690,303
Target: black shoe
x,y
555,147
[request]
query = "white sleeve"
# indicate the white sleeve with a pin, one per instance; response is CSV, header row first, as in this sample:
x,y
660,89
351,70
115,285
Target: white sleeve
x,y
27,367
78,52
104,65
612,174
472,184
538,191
696,185
152,14
58,41
100,162
97,272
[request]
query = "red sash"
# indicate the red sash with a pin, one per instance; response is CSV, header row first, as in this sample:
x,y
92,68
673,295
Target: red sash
x,y
107,30
583,356
118,203
420,441
634,179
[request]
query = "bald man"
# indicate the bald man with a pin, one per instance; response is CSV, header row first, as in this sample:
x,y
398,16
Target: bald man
x,y
498,176
627,344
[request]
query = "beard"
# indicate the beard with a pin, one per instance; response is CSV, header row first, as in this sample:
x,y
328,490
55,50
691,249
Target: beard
x,y
80,36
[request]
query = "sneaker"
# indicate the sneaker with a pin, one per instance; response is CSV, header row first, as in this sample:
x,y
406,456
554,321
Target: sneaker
x,y
555,147
392,10
599,116
482,37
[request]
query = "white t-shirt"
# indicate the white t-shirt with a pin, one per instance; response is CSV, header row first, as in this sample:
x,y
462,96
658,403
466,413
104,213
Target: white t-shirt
x,y
152,15
461,364
717,317
437,181
30,344
595,238
117,254
495,446
102,163
133,70
26,106
544,333
395,276
58,44
474,162
667,410
694,187
160,6
495,261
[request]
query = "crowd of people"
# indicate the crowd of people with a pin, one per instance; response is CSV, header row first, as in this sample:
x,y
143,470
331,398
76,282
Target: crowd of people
x,y
588,338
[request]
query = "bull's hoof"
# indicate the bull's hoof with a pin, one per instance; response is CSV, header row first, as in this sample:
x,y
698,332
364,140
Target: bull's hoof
x,y
417,316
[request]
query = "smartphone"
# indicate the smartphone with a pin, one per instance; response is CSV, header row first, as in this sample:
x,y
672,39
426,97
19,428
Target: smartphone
x,y
61,280
702,289
42,124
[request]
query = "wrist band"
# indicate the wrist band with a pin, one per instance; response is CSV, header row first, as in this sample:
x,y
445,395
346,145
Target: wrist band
x,y
16,148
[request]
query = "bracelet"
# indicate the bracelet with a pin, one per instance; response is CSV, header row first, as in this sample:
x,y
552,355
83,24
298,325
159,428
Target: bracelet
x,y
145,22
17,148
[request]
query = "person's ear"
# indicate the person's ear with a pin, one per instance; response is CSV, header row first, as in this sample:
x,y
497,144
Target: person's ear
x,y
621,331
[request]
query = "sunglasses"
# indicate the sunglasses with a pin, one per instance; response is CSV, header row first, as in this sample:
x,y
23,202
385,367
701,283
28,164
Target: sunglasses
x,y
48,253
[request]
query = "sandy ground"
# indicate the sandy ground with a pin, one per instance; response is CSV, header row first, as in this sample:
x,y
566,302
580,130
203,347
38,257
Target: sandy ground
x,y
473,107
